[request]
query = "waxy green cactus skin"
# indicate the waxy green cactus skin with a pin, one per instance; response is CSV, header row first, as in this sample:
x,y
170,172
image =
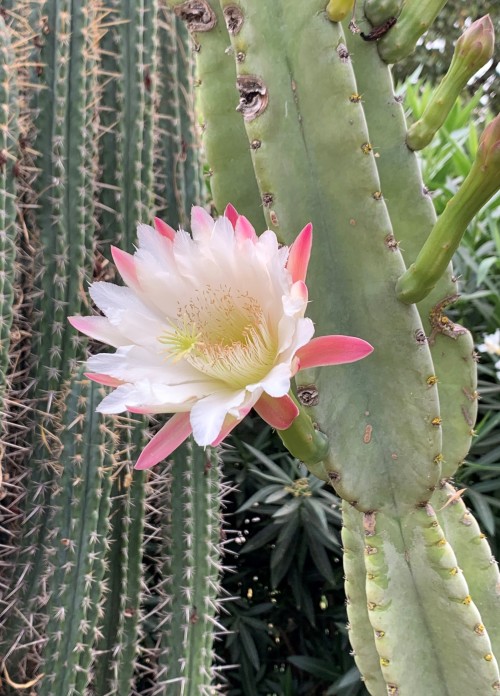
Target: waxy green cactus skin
x,y
415,18
361,634
473,555
451,345
378,11
226,146
351,231
284,115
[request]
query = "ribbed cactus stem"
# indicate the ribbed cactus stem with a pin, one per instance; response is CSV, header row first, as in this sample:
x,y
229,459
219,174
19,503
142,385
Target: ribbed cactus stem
x,y
413,573
474,556
80,507
361,634
115,651
191,539
415,18
454,373
482,182
9,115
349,222
473,50
225,143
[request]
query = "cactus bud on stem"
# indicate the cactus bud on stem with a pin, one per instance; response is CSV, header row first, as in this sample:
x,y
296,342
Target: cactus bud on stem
x,y
337,10
482,182
473,50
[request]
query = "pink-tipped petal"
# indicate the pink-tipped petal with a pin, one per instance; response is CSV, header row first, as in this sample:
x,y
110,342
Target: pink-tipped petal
x,y
299,290
125,264
244,230
99,328
164,229
230,422
278,412
202,224
232,214
106,380
300,253
332,350
166,440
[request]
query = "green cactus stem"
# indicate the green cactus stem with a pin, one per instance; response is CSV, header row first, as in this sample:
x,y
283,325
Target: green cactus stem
x,y
225,143
474,556
351,223
9,116
482,182
178,171
114,653
190,556
378,11
305,442
413,573
80,507
473,50
454,373
415,18
361,634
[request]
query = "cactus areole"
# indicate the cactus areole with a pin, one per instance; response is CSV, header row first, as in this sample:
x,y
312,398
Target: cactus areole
x,y
208,327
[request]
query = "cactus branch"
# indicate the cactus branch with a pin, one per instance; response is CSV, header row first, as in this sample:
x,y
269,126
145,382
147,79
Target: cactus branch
x,y
482,182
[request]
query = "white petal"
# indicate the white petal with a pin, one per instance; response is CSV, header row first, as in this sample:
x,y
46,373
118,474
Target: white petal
x,y
100,329
277,382
202,224
133,363
207,415
223,233
117,400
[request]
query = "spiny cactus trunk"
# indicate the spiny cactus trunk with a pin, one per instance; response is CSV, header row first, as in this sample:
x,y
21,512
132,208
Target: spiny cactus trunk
x,y
76,611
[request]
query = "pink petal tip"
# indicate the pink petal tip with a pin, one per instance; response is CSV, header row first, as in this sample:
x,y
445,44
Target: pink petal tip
x,y
278,412
166,440
300,253
125,264
232,214
105,380
164,229
332,350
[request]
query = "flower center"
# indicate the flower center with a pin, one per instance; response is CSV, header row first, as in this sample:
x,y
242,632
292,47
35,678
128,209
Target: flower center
x,y
224,334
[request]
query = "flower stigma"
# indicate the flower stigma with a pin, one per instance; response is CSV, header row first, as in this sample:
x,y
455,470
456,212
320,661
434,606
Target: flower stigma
x,y
223,333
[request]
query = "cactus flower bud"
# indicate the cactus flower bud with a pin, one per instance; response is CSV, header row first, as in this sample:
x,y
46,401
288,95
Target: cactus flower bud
x,y
488,154
337,10
472,50
481,183
209,327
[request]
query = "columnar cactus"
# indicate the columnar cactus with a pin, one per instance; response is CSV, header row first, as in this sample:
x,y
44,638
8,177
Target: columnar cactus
x,y
300,125
86,159
328,143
